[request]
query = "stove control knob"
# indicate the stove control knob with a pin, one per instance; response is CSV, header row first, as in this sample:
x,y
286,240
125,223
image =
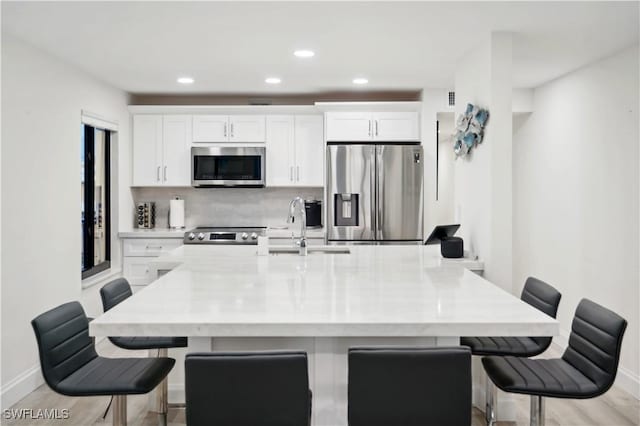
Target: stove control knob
x,y
244,236
254,236
192,236
201,236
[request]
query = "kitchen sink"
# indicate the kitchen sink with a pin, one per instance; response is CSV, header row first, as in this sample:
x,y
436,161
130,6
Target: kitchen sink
x,y
310,250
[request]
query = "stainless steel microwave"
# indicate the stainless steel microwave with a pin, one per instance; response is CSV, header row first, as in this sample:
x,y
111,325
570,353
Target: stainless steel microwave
x,y
228,166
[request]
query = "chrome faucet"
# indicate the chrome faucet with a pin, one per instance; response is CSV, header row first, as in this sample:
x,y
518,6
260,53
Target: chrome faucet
x,y
302,241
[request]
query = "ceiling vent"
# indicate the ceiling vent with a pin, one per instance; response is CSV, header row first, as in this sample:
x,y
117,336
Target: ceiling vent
x,y
452,99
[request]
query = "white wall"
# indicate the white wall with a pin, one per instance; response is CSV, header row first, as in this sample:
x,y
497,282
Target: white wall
x,y
483,178
433,102
445,206
42,99
576,194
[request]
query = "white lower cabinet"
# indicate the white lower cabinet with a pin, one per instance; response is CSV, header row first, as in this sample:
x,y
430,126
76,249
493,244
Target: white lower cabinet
x,y
138,253
136,270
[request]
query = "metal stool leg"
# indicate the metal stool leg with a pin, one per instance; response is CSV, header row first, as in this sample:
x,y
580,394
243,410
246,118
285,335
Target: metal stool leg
x,y
537,411
119,410
491,397
162,394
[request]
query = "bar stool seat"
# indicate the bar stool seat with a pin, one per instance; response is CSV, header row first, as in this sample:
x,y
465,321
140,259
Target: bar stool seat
x,y
116,376
516,346
545,377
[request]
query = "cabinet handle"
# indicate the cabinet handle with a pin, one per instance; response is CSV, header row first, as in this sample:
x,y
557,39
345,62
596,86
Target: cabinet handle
x,y
231,129
376,127
369,132
148,246
297,173
158,174
225,130
165,173
291,173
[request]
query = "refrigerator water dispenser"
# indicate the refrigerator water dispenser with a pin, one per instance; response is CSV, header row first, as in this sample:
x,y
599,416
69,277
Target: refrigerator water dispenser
x,y
346,209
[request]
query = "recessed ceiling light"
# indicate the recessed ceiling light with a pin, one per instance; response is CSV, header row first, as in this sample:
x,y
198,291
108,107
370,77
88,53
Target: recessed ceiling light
x,y
185,80
273,80
303,53
360,80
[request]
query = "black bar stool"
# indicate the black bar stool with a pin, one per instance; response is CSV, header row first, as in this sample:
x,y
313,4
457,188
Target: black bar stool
x,y
114,293
71,366
409,386
247,389
587,368
541,296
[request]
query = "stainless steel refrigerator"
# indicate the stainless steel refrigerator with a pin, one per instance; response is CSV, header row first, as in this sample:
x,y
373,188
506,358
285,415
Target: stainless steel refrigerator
x,y
374,193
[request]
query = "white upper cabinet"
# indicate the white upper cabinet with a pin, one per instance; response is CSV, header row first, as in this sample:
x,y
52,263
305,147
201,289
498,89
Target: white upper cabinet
x,y
161,150
396,126
225,128
147,150
373,126
280,150
295,150
210,128
176,134
349,126
247,128
309,150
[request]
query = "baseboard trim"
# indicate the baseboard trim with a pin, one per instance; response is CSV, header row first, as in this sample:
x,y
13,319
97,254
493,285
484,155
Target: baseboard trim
x,y
625,379
176,394
21,386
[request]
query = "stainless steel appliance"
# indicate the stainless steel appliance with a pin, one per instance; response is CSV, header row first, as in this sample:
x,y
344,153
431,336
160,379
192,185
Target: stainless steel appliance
x,y
313,209
374,193
146,215
224,235
227,166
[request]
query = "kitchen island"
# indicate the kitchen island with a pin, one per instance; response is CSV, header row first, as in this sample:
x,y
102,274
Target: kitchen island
x,y
228,298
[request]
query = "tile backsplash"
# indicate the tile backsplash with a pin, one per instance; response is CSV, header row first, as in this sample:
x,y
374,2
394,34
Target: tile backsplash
x,y
225,206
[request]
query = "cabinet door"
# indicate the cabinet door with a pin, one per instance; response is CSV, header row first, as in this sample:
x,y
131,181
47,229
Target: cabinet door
x,y
396,126
176,136
136,270
247,128
309,149
210,128
349,126
147,150
280,151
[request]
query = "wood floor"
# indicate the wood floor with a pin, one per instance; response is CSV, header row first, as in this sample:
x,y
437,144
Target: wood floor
x,y
615,408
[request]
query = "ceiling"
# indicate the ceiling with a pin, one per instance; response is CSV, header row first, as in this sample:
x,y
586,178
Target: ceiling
x,y
231,47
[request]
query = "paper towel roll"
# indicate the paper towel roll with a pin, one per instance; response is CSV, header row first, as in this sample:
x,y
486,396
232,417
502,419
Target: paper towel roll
x,y
176,214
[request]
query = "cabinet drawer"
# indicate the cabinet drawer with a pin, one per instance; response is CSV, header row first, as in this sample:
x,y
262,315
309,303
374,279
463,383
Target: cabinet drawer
x,y
149,247
136,270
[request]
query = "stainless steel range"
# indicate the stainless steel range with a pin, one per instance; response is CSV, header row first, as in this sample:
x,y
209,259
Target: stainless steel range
x,y
225,235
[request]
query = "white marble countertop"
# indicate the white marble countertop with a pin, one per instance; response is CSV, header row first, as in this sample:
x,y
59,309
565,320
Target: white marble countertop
x,y
373,291
277,232
152,233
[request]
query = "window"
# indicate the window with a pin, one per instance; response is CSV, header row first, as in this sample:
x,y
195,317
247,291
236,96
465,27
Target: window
x,y
96,200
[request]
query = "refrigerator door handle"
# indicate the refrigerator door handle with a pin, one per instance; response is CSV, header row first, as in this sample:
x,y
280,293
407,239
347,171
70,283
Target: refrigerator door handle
x,y
379,194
